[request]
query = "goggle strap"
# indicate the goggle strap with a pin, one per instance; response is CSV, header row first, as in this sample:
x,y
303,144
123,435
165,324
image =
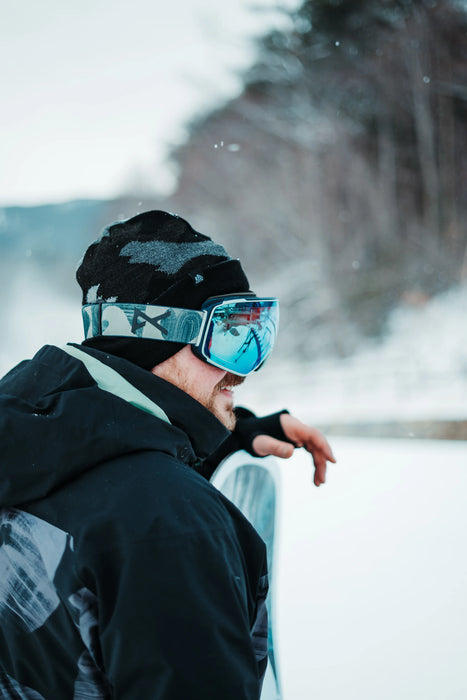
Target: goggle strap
x,y
143,321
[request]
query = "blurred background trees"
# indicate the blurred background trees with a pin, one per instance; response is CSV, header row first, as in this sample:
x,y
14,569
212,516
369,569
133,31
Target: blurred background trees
x,y
341,166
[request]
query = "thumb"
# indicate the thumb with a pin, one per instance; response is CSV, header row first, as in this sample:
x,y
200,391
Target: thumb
x,y
264,445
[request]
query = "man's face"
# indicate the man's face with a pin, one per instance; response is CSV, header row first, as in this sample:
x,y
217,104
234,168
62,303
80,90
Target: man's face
x,y
211,386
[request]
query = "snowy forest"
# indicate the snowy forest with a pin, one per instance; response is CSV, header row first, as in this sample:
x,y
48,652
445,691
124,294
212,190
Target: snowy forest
x,y
340,169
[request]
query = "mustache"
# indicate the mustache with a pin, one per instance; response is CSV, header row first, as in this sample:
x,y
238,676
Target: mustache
x,y
230,380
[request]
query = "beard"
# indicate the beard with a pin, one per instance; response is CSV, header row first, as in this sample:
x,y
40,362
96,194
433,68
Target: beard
x,y
182,370
219,405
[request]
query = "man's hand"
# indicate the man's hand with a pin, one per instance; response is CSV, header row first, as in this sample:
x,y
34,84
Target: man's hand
x,y
301,435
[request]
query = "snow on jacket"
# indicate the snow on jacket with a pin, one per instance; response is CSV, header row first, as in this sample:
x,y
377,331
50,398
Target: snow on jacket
x,y
123,572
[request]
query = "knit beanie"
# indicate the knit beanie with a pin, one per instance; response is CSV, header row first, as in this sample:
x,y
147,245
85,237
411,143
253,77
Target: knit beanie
x,y
154,258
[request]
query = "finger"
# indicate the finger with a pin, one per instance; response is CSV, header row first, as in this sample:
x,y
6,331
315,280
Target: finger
x,y
320,464
320,448
328,453
312,438
320,472
318,441
264,445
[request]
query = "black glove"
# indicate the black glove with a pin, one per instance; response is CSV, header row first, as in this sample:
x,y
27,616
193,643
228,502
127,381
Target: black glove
x,y
247,428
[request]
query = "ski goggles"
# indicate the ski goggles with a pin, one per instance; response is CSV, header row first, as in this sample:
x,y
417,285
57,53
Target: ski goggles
x,y
236,333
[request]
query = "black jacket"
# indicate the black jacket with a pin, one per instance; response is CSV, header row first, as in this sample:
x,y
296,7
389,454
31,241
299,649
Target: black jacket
x,y
123,572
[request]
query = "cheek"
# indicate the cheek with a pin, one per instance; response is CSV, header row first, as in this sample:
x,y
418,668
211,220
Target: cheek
x,y
212,377
206,374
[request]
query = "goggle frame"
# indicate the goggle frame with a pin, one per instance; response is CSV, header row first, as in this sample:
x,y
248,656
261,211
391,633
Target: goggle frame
x,y
188,326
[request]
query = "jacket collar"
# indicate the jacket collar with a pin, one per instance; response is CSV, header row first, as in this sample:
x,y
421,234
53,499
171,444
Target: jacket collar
x,y
204,431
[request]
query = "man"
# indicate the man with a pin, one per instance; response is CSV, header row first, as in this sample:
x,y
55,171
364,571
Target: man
x,y
123,572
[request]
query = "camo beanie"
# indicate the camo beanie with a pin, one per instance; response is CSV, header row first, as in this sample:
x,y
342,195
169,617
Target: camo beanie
x,y
154,258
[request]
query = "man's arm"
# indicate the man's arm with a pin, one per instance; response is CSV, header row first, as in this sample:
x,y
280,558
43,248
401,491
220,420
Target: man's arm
x,y
297,434
277,434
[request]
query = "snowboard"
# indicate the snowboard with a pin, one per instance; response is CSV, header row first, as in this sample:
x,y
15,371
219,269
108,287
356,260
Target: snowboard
x,y
253,485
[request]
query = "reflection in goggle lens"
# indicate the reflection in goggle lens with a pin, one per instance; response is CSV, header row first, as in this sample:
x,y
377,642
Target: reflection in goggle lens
x,y
242,335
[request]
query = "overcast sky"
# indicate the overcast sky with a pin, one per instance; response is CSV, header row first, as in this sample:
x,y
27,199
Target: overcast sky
x,y
94,92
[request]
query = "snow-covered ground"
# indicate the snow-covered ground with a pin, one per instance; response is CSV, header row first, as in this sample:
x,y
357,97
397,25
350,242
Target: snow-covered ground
x,y
371,597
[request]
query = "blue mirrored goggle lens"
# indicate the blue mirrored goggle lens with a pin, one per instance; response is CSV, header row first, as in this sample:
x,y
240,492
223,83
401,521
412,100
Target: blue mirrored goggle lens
x,y
242,335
